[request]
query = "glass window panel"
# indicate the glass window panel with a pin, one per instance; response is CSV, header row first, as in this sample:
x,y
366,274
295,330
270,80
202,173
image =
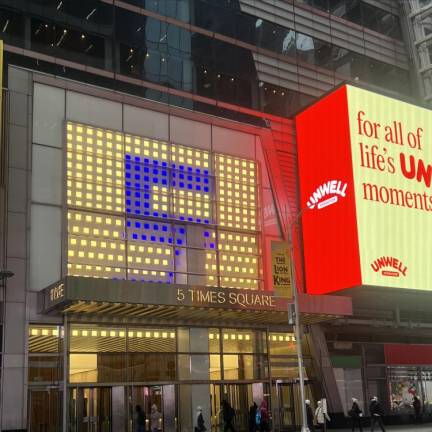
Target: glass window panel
x,y
45,339
240,367
347,9
282,344
151,339
100,367
214,340
45,369
97,339
12,27
151,367
215,367
238,341
59,41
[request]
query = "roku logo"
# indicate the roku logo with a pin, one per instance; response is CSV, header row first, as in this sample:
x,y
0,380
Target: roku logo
x,y
332,187
389,266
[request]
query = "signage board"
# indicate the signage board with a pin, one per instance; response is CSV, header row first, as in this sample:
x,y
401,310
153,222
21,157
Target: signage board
x,y
281,269
365,163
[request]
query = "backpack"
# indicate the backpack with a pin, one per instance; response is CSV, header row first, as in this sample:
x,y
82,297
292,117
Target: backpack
x,y
258,417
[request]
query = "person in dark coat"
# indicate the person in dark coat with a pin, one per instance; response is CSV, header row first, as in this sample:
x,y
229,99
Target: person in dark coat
x,y
140,419
200,426
310,416
265,418
228,416
252,416
356,414
417,409
376,413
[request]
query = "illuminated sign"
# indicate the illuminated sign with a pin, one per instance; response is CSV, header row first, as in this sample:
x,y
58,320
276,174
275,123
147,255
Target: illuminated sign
x,y
331,189
146,210
281,266
380,233
57,292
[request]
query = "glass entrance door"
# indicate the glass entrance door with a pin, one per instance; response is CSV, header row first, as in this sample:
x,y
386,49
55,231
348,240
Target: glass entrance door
x,y
90,409
289,403
45,410
146,397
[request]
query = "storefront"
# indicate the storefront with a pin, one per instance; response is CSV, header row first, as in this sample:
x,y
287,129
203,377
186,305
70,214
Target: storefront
x,y
110,356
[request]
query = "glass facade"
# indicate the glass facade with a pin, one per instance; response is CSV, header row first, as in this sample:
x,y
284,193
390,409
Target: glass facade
x,y
111,368
137,45
147,210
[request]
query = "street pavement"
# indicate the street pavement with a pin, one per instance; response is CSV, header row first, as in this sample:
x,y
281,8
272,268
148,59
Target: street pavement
x,y
405,428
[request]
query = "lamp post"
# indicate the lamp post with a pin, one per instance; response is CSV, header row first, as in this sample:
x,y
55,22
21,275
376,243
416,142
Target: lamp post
x,y
297,325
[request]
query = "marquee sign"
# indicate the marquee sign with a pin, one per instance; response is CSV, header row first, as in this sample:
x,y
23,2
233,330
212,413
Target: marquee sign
x,y
365,180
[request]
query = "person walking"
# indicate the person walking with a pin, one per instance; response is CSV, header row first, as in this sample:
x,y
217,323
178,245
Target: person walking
x,y
155,416
252,417
228,416
310,416
321,417
264,425
356,414
200,426
417,409
376,413
140,419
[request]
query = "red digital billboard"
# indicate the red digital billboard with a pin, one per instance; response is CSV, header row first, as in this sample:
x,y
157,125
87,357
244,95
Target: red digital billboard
x,y
365,178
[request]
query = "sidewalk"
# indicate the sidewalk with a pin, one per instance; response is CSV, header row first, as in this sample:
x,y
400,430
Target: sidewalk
x,y
405,428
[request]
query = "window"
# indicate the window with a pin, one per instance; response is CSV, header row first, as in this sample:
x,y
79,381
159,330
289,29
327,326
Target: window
x,y
11,27
45,346
58,40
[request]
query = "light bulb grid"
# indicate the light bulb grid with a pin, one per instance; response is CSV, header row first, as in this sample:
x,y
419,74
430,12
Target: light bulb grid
x,y
94,169
149,257
95,225
94,197
94,141
114,333
236,192
281,337
45,331
159,180
237,170
96,271
154,189
150,276
239,282
83,250
181,155
146,149
211,265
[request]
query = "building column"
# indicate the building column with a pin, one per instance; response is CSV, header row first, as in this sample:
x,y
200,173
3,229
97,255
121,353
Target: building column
x,y
14,376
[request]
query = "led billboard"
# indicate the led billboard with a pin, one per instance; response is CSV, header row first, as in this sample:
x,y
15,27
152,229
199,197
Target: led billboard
x,y
147,210
365,164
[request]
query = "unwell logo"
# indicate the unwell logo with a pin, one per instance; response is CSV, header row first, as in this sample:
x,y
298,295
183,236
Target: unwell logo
x,y
335,188
389,266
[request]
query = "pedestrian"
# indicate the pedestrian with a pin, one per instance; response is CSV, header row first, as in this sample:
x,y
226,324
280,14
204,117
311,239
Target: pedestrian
x,y
155,416
264,425
310,416
356,414
376,413
140,419
252,417
200,426
228,416
417,409
321,417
